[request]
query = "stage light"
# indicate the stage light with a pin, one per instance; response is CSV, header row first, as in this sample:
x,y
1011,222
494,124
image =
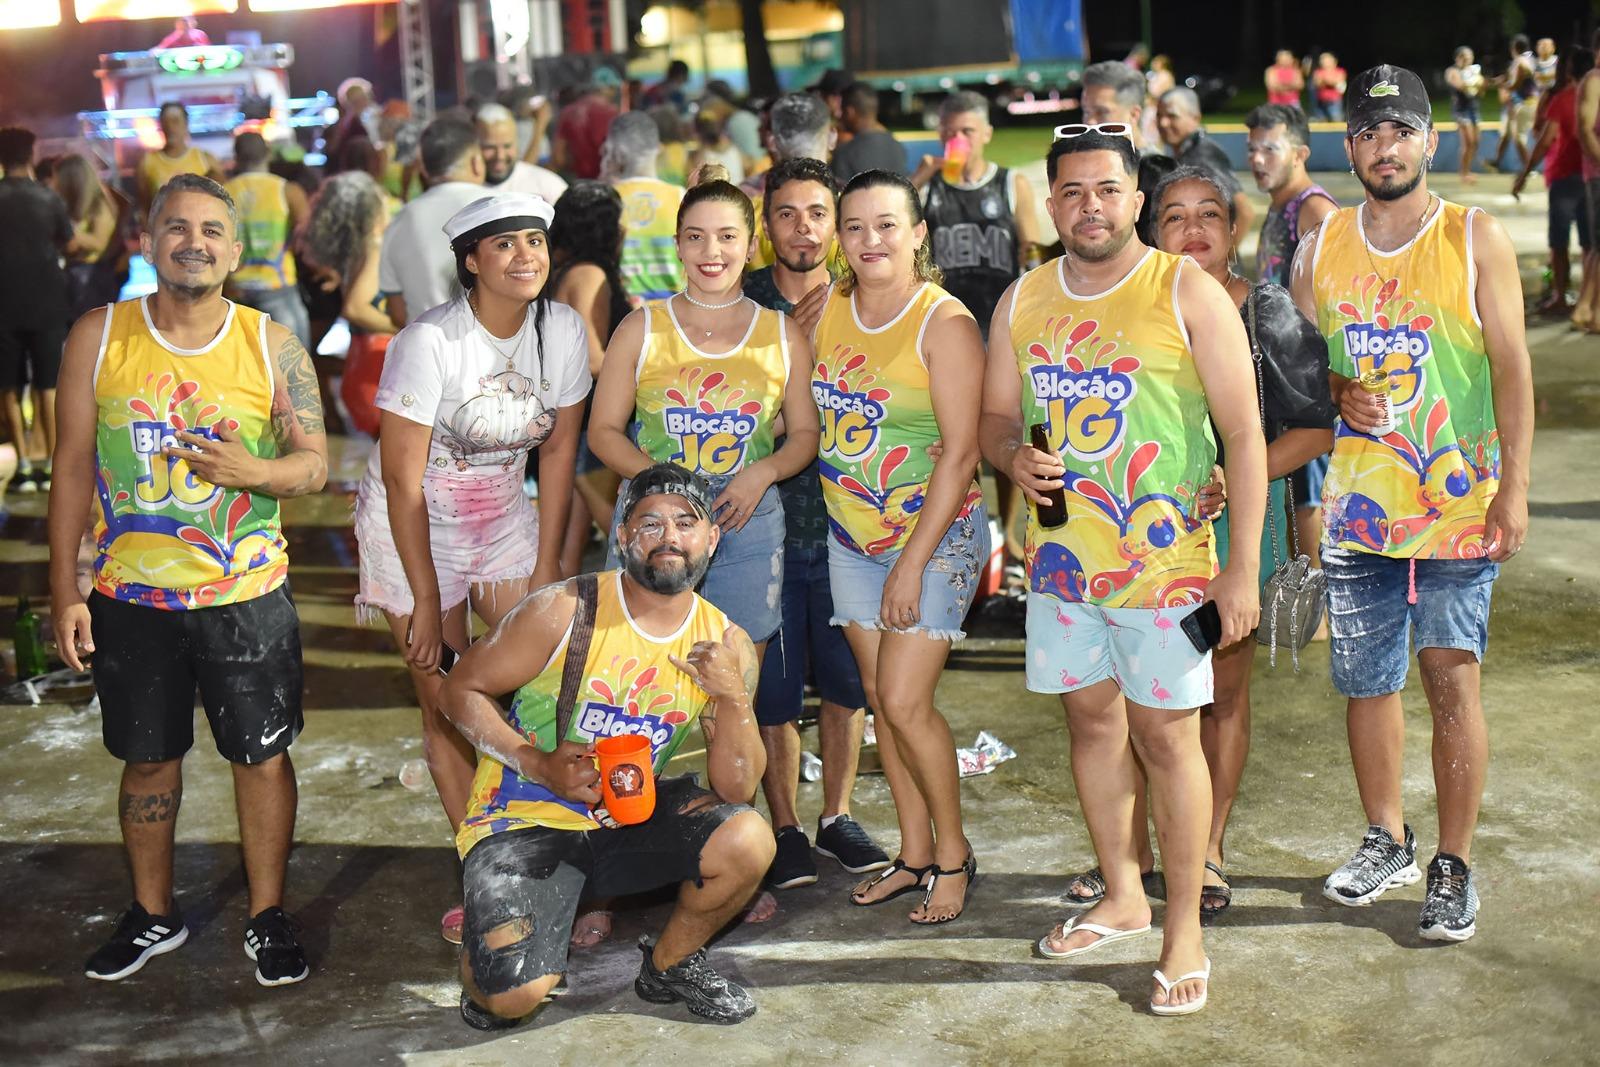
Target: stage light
x,y
28,14
307,5
115,10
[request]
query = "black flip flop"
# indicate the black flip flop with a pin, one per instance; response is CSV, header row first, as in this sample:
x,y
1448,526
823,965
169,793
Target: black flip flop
x,y
1223,892
1155,886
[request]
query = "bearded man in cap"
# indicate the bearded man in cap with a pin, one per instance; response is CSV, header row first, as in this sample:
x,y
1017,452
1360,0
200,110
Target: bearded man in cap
x,y
537,835
1427,489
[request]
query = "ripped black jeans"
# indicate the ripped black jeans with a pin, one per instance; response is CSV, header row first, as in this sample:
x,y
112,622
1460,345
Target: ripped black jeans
x,y
522,887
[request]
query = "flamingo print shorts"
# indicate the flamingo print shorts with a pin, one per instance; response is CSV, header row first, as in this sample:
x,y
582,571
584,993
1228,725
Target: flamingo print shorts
x,y
1073,645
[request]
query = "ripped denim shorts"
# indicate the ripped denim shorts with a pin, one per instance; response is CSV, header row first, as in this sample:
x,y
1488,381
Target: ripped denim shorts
x,y
949,582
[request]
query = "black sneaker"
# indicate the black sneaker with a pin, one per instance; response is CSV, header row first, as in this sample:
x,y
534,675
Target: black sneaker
x,y
269,941
792,866
844,840
138,936
27,481
1379,865
1450,911
691,980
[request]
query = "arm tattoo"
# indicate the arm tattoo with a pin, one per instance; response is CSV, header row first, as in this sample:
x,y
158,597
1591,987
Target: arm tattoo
x,y
300,399
752,665
149,807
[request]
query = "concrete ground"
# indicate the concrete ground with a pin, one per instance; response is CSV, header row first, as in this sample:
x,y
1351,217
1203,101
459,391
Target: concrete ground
x,y
1296,978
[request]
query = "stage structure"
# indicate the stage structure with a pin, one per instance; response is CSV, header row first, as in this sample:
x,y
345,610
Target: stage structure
x,y
224,87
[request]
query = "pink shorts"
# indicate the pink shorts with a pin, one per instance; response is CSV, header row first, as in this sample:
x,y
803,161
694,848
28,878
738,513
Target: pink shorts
x,y
481,529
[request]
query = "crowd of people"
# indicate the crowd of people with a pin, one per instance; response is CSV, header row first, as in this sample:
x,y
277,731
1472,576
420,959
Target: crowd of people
x,y
768,390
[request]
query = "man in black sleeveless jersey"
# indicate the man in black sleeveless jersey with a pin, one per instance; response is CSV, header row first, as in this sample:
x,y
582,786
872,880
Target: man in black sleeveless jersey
x,y
982,226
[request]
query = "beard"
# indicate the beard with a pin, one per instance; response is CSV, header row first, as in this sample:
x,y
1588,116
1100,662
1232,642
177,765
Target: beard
x,y
1098,253
799,266
495,175
1393,188
663,577
183,285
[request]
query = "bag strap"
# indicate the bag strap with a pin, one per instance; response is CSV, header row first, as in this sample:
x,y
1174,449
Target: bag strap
x,y
578,643
1261,403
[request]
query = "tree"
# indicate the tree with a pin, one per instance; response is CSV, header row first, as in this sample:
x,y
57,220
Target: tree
x,y
757,56
763,76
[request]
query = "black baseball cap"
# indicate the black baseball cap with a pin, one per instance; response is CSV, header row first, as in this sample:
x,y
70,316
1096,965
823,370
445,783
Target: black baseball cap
x,y
669,479
1386,93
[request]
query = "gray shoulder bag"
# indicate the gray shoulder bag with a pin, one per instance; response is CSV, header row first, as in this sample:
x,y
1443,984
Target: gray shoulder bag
x,y
1295,596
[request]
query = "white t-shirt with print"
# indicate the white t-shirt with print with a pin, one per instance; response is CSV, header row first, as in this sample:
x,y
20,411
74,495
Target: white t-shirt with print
x,y
444,371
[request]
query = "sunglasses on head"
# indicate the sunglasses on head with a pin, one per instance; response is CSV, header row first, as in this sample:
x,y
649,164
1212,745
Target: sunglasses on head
x,y
1109,129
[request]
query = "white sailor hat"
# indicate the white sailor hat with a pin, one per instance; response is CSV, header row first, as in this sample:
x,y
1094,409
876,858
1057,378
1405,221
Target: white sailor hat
x,y
504,213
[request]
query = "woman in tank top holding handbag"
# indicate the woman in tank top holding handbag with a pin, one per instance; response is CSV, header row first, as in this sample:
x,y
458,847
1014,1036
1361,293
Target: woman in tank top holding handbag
x,y
899,369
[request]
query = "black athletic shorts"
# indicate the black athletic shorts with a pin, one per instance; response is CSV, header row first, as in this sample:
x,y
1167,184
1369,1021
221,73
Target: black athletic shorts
x,y
245,659
532,879
31,356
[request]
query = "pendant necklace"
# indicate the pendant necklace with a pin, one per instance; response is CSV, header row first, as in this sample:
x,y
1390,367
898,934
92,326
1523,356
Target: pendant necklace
x,y
710,307
515,342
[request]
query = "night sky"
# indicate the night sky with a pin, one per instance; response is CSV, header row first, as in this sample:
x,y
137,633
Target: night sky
x,y
1240,37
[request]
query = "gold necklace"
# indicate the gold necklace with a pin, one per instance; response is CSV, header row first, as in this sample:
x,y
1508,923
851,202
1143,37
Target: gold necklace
x,y
1409,245
516,341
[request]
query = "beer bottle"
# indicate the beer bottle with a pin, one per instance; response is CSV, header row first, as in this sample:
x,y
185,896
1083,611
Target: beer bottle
x,y
1052,513
28,642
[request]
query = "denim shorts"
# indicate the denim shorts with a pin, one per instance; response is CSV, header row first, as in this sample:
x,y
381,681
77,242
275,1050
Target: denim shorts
x,y
1074,645
1373,611
806,645
745,580
534,878
1569,208
284,306
949,582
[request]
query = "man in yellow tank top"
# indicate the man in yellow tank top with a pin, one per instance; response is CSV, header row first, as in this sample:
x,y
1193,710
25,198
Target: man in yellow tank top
x,y
176,155
184,419
650,266
271,210
1124,355
1427,489
537,836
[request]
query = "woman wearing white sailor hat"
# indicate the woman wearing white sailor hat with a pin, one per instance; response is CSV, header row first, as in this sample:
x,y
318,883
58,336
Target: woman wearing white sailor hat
x,y
470,388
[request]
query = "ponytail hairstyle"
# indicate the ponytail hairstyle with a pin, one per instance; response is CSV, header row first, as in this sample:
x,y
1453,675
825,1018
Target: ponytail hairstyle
x,y
713,185
923,267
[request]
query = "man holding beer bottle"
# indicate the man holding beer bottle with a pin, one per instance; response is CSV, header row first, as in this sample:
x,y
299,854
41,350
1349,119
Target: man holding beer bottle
x,y
594,662
1124,355
1427,488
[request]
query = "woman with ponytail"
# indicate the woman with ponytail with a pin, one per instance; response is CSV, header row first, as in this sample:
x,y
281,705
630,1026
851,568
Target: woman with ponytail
x,y
709,380
899,369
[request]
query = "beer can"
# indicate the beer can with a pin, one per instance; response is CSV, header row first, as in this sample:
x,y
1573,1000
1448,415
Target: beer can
x,y
1376,384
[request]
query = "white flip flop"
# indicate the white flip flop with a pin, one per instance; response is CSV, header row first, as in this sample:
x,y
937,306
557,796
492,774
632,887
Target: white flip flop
x,y
1204,974
1108,934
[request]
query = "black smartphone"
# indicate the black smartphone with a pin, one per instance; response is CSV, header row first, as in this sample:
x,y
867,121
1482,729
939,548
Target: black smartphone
x,y
447,657
1203,627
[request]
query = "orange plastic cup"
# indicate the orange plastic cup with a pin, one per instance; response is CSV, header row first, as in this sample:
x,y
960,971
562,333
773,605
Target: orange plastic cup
x,y
627,786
